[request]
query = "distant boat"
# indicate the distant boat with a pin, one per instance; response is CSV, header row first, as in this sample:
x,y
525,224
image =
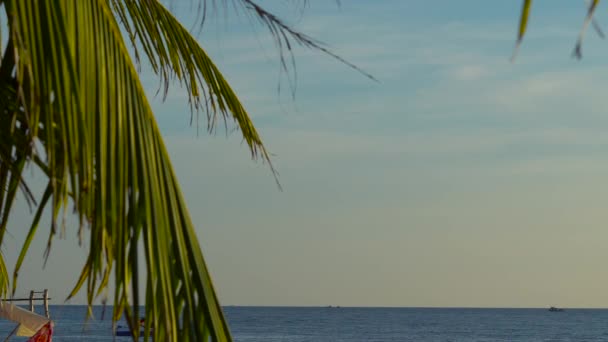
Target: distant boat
x,y
554,309
124,331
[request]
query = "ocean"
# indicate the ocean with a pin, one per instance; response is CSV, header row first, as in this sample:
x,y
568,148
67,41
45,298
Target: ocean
x,y
335,324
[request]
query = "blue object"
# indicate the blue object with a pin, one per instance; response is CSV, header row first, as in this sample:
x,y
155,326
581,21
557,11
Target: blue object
x,y
127,332
123,333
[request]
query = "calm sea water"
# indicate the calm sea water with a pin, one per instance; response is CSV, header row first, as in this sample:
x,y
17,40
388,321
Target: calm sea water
x,y
299,324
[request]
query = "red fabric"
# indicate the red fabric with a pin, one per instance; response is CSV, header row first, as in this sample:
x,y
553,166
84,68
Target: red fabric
x,y
45,334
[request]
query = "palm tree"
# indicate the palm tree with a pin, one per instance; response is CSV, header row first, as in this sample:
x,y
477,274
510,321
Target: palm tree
x,y
72,105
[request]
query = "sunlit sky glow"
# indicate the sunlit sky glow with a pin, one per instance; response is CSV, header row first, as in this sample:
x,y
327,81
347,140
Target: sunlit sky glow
x,y
459,179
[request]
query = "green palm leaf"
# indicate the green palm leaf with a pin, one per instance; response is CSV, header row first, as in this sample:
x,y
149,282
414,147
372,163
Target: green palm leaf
x,y
577,52
174,54
4,284
70,88
588,19
523,24
101,143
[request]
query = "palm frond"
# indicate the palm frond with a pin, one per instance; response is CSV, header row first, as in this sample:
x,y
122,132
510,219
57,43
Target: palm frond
x,y
286,36
76,93
145,23
104,152
577,52
4,279
523,24
174,54
14,146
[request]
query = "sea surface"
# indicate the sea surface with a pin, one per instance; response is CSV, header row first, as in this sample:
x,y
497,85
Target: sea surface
x,y
335,324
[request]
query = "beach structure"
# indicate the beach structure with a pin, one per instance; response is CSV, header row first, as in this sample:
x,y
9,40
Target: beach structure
x,y
30,324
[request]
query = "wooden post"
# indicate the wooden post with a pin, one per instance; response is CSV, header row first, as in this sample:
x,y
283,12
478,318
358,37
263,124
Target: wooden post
x,y
32,301
46,303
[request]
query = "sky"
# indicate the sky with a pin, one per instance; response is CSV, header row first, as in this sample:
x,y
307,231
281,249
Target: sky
x,y
458,179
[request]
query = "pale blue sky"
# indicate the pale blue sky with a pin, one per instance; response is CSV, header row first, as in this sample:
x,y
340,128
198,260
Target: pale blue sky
x,y
459,179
